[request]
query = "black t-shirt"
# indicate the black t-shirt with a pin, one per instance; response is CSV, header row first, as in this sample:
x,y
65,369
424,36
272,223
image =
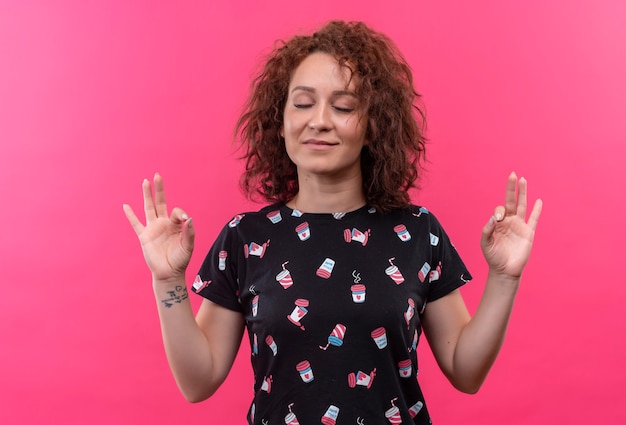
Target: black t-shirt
x,y
332,305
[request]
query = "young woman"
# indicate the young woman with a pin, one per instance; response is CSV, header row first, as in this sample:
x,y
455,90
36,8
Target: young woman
x,y
337,277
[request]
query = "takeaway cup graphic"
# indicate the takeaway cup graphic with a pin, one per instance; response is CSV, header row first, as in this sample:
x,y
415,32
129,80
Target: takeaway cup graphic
x,y
291,418
402,233
255,305
330,417
274,216
434,240
299,312
296,213
306,373
255,345
393,414
361,378
267,384
284,277
235,221
379,335
199,284
405,368
423,272
336,336
394,273
414,343
303,231
356,235
269,340
222,260
326,268
415,409
358,293
255,249
409,313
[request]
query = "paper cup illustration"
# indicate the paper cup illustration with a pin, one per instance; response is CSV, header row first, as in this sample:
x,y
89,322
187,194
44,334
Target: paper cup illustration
x,y
274,216
361,378
336,337
269,340
356,235
435,273
405,368
306,373
330,417
339,215
291,419
402,233
299,311
255,249
296,213
235,221
267,384
358,293
415,409
222,260
434,240
393,414
255,345
326,268
284,277
410,312
255,305
423,272
379,335
394,273
303,231
199,284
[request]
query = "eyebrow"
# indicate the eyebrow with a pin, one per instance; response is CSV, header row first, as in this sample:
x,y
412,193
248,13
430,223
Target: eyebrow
x,y
335,92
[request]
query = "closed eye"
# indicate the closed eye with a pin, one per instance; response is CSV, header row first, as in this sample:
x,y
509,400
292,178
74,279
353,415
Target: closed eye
x,y
302,105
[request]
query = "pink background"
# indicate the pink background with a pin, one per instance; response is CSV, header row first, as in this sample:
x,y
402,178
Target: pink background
x,y
95,96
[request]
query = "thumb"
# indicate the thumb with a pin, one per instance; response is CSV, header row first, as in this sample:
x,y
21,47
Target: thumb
x,y
487,232
189,235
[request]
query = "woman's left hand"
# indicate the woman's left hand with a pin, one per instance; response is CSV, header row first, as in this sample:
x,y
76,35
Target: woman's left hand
x,y
507,238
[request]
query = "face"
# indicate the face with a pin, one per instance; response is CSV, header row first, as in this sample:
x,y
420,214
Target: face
x,y
323,127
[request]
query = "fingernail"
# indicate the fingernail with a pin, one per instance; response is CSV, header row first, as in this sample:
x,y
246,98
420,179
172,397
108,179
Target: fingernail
x,y
185,217
190,223
498,217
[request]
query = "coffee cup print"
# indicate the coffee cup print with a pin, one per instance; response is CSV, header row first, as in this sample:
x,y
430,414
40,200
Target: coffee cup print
x,y
267,384
405,368
291,418
330,417
434,240
423,272
336,337
358,293
222,260
393,414
274,216
326,268
410,312
255,345
435,273
356,235
415,409
284,277
255,305
306,373
296,213
361,378
394,273
299,312
199,284
402,232
379,335
255,249
303,231
235,221
269,340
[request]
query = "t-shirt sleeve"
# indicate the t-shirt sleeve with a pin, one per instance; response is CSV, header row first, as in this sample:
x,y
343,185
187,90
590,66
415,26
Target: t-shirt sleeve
x,y
447,270
217,279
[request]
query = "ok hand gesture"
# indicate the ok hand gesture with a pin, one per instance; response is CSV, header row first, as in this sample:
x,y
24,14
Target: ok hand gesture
x,y
166,241
507,238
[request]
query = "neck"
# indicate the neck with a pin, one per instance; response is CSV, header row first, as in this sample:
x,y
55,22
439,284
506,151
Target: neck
x,y
328,197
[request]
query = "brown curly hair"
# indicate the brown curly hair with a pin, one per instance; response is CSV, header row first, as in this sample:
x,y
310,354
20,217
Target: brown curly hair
x,y
396,146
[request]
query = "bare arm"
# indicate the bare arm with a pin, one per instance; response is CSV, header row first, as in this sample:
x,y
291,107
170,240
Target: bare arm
x,y
200,350
465,348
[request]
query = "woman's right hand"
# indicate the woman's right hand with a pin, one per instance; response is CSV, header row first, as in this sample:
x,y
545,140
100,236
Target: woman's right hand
x,y
166,241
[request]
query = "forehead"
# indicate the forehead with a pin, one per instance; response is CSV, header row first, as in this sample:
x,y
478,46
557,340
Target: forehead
x,y
322,70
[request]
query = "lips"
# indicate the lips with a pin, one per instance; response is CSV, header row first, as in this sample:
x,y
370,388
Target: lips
x,y
316,142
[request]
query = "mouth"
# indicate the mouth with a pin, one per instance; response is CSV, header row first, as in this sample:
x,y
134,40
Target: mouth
x,y
320,143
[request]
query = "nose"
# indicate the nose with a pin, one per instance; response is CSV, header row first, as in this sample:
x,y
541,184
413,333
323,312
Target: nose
x,y
320,119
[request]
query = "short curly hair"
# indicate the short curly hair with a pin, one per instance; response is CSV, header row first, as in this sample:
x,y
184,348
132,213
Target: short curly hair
x,y
390,161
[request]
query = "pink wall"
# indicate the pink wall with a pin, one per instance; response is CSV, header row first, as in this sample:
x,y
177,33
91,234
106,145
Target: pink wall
x,y
95,96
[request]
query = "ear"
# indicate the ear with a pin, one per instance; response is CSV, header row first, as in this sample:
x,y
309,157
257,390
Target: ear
x,y
282,132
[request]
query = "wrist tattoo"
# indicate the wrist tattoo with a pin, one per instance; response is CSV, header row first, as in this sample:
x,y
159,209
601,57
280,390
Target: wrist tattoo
x,y
178,295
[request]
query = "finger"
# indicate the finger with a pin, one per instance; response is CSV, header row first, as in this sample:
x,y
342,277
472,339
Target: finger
x,y
522,189
148,203
159,196
510,203
535,213
178,216
189,234
487,232
498,213
132,219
